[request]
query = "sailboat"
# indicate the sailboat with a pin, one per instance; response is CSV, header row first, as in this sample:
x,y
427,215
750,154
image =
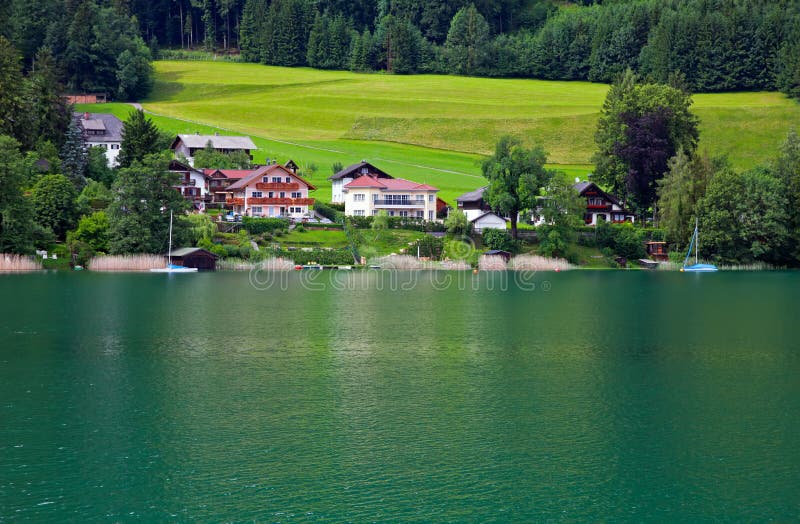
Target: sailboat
x,y
172,268
696,267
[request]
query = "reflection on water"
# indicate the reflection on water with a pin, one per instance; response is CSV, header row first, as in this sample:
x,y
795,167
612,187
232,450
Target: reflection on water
x,y
602,394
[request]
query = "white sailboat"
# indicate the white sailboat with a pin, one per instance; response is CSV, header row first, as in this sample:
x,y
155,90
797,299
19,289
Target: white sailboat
x,y
697,267
172,268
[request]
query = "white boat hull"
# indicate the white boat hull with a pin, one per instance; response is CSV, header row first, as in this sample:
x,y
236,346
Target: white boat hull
x,y
174,270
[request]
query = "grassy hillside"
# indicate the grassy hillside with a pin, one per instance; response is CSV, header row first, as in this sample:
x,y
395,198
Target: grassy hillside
x,y
430,128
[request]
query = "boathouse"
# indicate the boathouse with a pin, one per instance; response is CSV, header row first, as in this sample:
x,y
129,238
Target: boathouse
x,y
196,257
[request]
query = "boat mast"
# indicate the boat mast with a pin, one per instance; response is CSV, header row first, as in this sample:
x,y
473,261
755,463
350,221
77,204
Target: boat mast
x,y
169,252
696,240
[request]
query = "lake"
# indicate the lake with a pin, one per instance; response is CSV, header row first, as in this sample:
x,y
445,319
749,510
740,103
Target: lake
x,y
375,396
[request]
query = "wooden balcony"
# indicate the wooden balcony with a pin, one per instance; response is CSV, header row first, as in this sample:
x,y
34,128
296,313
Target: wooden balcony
x,y
278,186
271,201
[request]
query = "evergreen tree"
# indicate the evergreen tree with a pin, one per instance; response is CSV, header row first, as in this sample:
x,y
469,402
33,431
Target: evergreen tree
x,y
16,214
74,156
787,170
139,216
11,91
467,41
140,137
48,114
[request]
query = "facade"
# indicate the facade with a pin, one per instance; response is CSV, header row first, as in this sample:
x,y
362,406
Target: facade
x,y
193,185
102,130
188,145
601,206
271,191
221,179
194,257
367,195
487,221
472,204
350,173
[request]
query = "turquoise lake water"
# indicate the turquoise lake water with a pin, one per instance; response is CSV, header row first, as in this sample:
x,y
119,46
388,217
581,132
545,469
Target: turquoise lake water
x,y
399,397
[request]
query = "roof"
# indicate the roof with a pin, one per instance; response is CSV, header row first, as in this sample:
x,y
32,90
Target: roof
x,y
472,196
185,251
233,174
390,184
498,252
263,170
218,141
487,213
175,165
99,122
355,169
584,186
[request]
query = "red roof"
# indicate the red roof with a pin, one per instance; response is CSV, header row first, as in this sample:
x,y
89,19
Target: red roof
x,y
234,174
261,171
392,184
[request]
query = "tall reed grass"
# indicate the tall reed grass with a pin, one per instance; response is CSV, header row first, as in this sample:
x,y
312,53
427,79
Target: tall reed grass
x,y
270,264
9,262
127,263
539,263
492,263
409,262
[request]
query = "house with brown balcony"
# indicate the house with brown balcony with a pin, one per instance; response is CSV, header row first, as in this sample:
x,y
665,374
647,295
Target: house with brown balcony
x,y
219,180
193,185
602,206
271,191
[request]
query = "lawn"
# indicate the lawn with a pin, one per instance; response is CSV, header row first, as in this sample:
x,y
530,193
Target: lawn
x,y
428,128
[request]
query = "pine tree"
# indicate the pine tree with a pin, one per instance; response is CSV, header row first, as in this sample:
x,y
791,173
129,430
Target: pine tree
x,y
74,156
11,91
16,214
140,137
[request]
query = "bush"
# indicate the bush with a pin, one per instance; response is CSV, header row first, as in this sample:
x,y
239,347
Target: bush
x,y
329,212
257,226
499,239
300,228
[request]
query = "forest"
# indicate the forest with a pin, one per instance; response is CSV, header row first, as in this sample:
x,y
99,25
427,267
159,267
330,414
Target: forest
x,y
717,45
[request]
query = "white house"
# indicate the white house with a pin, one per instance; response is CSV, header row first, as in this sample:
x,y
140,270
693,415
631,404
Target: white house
x,y
486,221
367,195
472,204
271,191
601,206
350,173
188,145
102,130
193,185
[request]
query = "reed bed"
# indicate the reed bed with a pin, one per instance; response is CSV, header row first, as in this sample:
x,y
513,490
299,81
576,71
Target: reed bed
x,y
409,262
270,264
668,266
455,265
539,263
127,263
9,262
492,263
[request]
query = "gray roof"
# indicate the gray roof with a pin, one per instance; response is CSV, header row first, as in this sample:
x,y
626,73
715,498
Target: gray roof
x,y
219,141
472,196
583,186
488,213
354,171
99,122
182,252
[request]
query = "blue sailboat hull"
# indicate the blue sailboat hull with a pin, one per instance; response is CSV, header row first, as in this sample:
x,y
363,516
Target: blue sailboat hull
x,y
700,268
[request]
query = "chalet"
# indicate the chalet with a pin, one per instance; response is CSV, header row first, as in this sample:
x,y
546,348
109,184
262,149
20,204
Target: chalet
x,y
271,191
486,221
219,180
601,206
472,204
195,257
101,130
369,194
193,184
188,145
348,174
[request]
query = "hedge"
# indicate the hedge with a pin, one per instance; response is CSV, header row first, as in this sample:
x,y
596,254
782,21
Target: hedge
x,y
329,212
257,226
325,257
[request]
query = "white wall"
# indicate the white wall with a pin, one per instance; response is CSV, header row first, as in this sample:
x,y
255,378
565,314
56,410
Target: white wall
x,y
489,222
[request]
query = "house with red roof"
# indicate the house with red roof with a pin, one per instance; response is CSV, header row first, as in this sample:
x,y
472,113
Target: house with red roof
x,y
270,191
221,179
368,194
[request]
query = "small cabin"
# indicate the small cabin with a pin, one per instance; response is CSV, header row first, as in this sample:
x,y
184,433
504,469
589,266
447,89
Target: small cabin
x,y
657,251
195,257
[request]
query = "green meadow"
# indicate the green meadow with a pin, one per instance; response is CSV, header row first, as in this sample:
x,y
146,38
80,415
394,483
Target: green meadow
x,y
428,128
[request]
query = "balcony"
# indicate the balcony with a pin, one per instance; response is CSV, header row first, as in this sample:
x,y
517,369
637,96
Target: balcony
x,y
271,201
278,186
190,182
599,207
407,204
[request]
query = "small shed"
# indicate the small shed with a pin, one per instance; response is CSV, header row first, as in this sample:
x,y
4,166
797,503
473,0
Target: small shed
x,y
196,257
657,251
499,253
488,221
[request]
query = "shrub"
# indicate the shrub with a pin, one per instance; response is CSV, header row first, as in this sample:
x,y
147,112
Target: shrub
x,y
300,228
329,212
499,239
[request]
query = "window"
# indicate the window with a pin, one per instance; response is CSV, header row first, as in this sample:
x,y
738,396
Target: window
x,y
282,194
257,194
420,198
358,197
297,194
391,213
374,212
276,179
256,209
420,214
288,180
364,170
403,213
430,215
430,198
358,212
271,194
265,179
